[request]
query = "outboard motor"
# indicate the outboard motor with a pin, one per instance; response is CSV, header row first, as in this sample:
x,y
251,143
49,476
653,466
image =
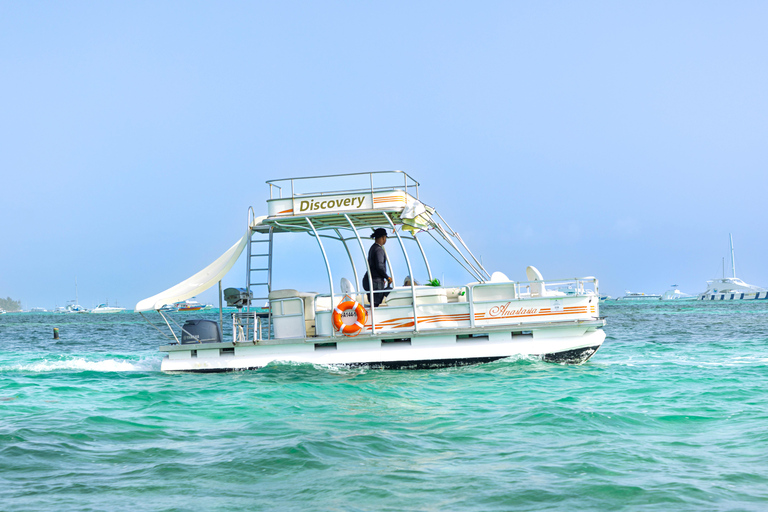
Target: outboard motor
x,y
200,331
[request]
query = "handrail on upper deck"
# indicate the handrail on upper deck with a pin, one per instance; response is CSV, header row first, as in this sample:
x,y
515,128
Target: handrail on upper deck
x,y
408,182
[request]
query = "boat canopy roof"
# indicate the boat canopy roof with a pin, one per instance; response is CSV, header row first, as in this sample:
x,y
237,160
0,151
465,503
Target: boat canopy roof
x,y
348,201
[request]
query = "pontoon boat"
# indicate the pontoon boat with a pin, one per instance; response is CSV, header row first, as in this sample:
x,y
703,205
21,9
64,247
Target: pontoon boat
x,y
487,318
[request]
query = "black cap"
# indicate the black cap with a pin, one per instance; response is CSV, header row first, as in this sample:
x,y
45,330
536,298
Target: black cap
x,y
378,232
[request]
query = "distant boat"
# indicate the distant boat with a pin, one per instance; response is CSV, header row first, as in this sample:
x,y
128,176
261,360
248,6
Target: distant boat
x,y
639,296
675,294
2,311
60,309
604,298
38,310
185,305
732,288
191,305
73,306
106,308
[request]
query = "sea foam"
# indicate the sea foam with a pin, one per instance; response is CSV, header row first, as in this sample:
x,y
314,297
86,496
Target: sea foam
x,y
82,364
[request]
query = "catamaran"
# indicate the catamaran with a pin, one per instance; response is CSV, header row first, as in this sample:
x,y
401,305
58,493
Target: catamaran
x,y
732,288
417,326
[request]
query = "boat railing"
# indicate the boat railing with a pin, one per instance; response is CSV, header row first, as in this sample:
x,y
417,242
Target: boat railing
x,y
361,296
340,184
558,287
376,326
479,293
249,327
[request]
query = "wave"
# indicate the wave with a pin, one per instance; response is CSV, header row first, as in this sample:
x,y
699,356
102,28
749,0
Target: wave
x,y
83,364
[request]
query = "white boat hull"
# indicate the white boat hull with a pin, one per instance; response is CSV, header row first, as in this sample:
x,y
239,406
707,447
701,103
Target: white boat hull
x,y
568,344
734,296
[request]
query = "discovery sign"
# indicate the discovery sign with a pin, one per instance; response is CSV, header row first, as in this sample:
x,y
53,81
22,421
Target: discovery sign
x,y
323,204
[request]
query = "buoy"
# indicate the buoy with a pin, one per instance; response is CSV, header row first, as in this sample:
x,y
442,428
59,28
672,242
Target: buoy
x,y
361,316
55,333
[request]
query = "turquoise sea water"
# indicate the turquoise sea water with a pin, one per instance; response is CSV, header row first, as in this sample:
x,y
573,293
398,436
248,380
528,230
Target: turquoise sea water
x,y
670,414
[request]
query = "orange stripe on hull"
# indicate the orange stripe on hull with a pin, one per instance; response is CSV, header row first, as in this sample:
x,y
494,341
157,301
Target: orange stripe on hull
x,y
408,321
481,316
399,323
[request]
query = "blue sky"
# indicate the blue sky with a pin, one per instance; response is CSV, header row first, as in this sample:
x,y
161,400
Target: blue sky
x,y
615,139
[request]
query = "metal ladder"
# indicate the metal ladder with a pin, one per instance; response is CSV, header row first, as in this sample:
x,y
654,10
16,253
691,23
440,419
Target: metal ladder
x,y
258,278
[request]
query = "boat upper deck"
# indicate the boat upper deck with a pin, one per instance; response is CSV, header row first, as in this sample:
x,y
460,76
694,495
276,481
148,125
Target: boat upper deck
x,y
332,202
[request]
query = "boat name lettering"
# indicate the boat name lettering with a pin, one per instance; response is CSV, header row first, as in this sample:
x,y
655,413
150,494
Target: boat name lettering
x,y
355,202
505,311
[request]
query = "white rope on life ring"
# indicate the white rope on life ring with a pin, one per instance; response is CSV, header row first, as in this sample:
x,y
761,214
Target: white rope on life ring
x,y
349,329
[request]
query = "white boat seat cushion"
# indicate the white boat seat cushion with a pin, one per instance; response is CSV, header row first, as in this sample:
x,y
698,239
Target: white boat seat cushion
x,y
308,297
536,279
499,277
347,287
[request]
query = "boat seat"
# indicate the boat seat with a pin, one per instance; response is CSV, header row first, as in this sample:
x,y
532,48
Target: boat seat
x,y
403,296
537,284
499,277
309,305
347,286
456,294
363,299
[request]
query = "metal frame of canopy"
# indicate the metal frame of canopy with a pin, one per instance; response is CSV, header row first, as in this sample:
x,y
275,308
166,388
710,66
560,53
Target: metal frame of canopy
x,y
315,224
326,225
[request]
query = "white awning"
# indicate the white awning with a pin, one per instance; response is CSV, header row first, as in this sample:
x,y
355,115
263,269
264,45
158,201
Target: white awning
x,y
199,282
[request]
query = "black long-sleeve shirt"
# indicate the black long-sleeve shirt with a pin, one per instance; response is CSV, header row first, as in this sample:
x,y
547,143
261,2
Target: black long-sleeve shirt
x,y
377,260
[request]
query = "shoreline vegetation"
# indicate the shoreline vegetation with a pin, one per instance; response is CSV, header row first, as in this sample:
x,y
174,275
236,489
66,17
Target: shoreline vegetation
x,y
10,305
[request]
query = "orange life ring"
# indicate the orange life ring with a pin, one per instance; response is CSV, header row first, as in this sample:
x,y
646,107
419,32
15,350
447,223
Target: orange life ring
x,y
351,329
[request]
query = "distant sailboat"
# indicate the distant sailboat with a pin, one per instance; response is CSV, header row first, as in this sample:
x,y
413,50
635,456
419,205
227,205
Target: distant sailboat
x,y
74,306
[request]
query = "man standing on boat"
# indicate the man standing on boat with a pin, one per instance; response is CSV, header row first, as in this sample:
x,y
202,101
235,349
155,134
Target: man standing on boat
x,y
377,262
